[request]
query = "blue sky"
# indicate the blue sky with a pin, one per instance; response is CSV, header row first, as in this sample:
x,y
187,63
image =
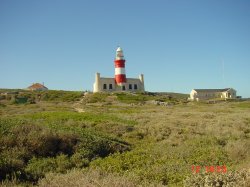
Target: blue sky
x,y
178,44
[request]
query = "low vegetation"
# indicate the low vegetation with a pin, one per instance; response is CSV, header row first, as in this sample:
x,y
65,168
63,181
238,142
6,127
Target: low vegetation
x,y
237,178
29,97
122,139
29,150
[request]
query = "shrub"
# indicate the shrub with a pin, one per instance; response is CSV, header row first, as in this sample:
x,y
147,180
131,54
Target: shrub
x,y
165,163
29,151
41,141
56,95
12,162
38,167
2,97
131,98
230,179
238,150
31,100
92,178
2,105
95,98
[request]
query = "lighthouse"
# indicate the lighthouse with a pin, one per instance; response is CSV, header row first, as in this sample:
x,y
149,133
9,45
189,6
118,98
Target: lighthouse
x,y
120,74
120,82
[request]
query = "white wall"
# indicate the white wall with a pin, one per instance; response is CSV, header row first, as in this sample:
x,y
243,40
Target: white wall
x,y
100,81
231,93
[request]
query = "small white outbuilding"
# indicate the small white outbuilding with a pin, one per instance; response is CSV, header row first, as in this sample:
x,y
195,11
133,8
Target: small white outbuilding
x,y
204,94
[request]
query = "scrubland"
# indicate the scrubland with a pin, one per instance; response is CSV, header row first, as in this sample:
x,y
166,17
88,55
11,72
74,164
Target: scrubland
x,y
58,138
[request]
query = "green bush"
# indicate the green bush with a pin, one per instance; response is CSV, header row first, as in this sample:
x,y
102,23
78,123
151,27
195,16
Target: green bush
x,y
28,151
131,98
55,95
39,140
49,95
165,163
12,163
38,167
95,97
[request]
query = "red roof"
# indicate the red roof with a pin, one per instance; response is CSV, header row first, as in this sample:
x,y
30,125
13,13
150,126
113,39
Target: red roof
x,y
37,86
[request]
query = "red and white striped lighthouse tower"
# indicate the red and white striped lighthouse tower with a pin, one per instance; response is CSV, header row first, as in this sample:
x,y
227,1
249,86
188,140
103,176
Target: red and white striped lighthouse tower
x,y
120,74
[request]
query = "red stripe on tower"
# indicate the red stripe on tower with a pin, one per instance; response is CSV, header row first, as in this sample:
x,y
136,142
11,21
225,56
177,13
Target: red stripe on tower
x,y
120,63
119,79
120,74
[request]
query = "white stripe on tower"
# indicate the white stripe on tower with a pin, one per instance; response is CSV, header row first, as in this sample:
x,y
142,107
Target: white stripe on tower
x,y
120,71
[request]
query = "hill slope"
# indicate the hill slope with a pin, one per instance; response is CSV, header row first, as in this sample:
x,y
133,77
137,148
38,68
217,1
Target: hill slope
x,y
147,139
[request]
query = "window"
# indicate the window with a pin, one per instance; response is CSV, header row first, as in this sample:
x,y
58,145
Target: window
x,y
130,86
135,86
104,86
110,86
123,88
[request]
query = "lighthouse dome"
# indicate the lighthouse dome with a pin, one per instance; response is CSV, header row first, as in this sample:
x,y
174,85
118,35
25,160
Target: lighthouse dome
x,y
119,49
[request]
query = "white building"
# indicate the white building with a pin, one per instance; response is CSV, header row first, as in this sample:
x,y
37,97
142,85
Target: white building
x,y
204,94
119,82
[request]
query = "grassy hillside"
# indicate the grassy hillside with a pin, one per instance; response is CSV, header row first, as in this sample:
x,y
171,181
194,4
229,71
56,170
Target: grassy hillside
x,y
149,139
